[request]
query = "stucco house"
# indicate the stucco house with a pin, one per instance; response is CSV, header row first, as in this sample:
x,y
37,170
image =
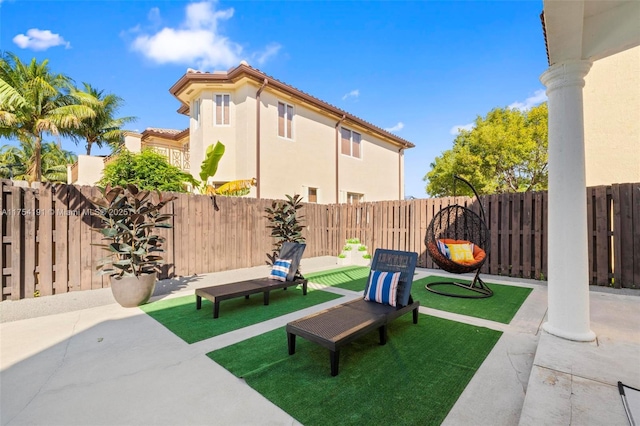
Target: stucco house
x,y
290,141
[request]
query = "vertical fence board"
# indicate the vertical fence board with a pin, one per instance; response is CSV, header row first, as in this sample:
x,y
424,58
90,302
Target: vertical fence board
x,y
17,254
526,213
494,227
29,243
178,235
85,240
537,236
516,229
169,251
74,249
44,216
198,249
602,236
623,236
617,235
591,234
61,217
505,237
635,209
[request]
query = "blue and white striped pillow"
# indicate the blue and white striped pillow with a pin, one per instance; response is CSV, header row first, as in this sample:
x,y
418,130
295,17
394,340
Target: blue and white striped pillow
x,y
444,249
280,270
382,287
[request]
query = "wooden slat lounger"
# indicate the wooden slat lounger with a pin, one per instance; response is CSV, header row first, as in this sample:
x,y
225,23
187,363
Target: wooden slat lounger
x,y
218,293
342,324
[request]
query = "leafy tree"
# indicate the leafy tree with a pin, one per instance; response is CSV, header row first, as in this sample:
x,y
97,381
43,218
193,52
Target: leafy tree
x,y
146,170
104,127
506,151
35,101
19,162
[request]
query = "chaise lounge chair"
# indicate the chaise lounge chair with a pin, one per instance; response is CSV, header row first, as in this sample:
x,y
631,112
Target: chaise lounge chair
x,y
284,274
386,297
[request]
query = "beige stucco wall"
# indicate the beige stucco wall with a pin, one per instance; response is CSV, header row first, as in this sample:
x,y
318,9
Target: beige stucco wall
x,y
196,142
133,141
245,128
612,119
375,174
306,160
90,169
291,166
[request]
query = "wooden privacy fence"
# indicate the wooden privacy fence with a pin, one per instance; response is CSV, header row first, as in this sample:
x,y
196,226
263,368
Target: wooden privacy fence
x,y
47,238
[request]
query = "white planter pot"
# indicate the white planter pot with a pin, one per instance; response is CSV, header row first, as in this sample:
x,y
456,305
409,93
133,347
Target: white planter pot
x,y
130,292
361,261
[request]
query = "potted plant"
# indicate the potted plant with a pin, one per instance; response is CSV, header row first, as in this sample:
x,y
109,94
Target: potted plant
x,y
129,217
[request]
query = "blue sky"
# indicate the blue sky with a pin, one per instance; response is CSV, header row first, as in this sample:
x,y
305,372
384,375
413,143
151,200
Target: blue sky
x,y
419,69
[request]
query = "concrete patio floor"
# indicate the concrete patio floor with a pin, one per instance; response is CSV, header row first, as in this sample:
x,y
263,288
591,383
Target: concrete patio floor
x,y
81,359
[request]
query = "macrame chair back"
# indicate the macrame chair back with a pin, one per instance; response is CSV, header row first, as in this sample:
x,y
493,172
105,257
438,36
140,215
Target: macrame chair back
x,y
457,222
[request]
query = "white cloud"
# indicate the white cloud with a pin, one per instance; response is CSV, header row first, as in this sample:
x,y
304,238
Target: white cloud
x,y
395,128
352,94
36,39
538,97
272,49
456,129
197,41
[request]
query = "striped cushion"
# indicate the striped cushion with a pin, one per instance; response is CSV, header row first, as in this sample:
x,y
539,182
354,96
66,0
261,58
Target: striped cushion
x,y
382,287
442,248
280,270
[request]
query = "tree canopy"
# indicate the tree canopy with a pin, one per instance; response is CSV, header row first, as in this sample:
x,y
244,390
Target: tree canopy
x,y
35,101
104,127
146,170
506,151
18,162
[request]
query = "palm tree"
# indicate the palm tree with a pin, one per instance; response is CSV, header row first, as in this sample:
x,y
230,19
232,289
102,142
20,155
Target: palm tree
x,y
19,162
104,128
34,101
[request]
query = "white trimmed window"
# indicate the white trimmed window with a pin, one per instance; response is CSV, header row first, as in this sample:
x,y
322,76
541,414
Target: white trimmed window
x,y
351,143
285,120
196,112
313,195
354,198
221,109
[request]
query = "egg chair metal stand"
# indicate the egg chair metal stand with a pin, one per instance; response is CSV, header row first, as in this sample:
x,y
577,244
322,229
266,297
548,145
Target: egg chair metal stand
x,y
457,222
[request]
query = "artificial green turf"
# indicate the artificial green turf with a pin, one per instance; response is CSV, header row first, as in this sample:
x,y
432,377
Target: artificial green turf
x,y
414,379
501,307
349,277
181,316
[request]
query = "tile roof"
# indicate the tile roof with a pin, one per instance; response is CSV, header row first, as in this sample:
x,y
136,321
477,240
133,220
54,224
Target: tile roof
x,y
244,69
165,133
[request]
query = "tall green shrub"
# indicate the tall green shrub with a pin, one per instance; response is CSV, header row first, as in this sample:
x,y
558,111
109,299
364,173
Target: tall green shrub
x,y
147,170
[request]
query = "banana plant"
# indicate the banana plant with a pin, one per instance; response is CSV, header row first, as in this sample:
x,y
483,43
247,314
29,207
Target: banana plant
x,y
208,169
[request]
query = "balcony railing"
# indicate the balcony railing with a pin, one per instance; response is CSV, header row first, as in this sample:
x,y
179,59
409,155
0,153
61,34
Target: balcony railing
x,y
176,157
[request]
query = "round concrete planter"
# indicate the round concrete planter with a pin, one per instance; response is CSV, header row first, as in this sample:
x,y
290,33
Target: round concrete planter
x,y
130,292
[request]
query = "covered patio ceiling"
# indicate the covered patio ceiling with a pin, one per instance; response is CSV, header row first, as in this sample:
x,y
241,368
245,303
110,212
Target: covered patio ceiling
x,y
590,29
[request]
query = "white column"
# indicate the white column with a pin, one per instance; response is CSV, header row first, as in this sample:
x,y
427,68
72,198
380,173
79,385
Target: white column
x,y
568,256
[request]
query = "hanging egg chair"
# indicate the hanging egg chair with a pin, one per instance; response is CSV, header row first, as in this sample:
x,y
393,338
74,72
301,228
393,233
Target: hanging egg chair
x,y
458,242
